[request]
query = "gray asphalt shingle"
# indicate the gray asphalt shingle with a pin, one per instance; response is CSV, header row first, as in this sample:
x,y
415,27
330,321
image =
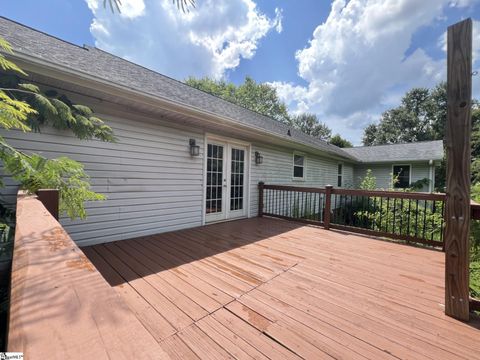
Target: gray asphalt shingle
x,y
102,65
419,151
94,62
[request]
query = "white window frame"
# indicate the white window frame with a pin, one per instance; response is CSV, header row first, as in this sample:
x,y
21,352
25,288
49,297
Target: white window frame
x,y
296,153
340,174
409,174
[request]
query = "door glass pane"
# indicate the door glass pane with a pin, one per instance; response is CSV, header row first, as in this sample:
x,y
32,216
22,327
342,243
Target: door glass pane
x,y
214,178
237,179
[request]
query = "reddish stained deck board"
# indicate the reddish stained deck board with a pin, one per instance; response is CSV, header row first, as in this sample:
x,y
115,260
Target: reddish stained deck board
x,y
272,289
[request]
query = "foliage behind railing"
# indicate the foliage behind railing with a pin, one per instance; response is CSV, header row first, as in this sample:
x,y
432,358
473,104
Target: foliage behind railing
x,y
410,216
415,217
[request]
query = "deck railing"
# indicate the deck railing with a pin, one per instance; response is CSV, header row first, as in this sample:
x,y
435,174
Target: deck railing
x,y
55,287
410,216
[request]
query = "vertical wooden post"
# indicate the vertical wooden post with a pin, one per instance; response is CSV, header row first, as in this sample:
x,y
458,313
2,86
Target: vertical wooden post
x,y
328,206
260,198
457,208
50,199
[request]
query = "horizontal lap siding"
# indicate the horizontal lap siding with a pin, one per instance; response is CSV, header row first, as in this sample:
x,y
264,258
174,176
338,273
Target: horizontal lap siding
x,y
383,174
277,169
152,183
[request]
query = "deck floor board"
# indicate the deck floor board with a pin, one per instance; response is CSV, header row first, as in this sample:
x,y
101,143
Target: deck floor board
x,y
272,289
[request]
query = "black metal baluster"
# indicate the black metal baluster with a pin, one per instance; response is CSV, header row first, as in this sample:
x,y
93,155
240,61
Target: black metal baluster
x,y
442,221
408,218
433,220
424,220
305,208
388,212
401,215
416,219
381,214
394,213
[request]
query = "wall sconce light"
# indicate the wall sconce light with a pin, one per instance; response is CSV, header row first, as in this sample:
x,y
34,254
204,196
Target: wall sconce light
x,y
258,158
194,148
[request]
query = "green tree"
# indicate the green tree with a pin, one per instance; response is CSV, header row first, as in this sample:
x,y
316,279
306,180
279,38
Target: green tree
x,y
337,140
261,98
421,116
475,142
24,106
310,125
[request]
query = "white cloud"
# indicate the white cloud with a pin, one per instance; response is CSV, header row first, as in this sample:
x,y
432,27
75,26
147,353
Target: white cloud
x,y
462,3
206,41
360,55
278,20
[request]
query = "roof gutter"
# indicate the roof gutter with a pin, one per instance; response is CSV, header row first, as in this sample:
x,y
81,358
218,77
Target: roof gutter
x,y
113,88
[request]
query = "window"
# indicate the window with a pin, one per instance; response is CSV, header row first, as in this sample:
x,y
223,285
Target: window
x,y
402,173
339,175
298,166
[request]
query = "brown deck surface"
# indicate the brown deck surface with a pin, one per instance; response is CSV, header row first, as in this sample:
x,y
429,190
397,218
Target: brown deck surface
x,y
272,289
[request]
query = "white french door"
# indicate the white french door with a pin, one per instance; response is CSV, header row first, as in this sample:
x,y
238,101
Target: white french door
x,y
226,181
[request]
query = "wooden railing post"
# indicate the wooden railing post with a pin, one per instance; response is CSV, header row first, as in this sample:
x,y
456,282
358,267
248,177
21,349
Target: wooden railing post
x,y
50,199
260,198
457,206
328,206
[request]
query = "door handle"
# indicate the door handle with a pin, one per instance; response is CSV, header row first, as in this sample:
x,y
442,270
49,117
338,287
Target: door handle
x,y
224,182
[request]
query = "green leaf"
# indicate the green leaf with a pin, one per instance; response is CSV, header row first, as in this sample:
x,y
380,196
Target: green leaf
x,y
29,87
7,65
83,110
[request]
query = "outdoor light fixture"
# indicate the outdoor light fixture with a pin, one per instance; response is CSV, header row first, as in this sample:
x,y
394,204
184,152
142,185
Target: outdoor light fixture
x,y
258,158
194,149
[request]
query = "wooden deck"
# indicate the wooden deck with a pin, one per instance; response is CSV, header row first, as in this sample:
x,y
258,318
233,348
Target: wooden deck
x,y
271,289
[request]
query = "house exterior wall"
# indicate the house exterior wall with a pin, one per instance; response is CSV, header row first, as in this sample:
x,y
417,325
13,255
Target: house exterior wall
x,y
383,173
277,169
151,182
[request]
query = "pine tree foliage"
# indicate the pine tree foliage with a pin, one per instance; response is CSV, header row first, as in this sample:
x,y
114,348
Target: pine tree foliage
x,y
24,106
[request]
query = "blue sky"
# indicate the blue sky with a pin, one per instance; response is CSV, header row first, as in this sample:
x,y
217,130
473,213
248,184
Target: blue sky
x,y
346,61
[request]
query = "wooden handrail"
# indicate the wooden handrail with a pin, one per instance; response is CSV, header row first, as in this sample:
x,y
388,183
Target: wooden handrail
x,y
294,188
391,194
60,305
321,206
475,210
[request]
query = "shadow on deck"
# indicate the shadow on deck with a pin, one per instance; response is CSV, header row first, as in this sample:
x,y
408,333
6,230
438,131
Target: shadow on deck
x,y
267,288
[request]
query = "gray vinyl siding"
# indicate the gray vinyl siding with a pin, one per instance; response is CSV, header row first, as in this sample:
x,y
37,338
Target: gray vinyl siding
x,y
277,169
152,183
383,173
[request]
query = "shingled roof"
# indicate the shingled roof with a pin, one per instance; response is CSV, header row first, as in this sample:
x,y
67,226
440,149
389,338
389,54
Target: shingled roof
x,y
418,151
100,64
